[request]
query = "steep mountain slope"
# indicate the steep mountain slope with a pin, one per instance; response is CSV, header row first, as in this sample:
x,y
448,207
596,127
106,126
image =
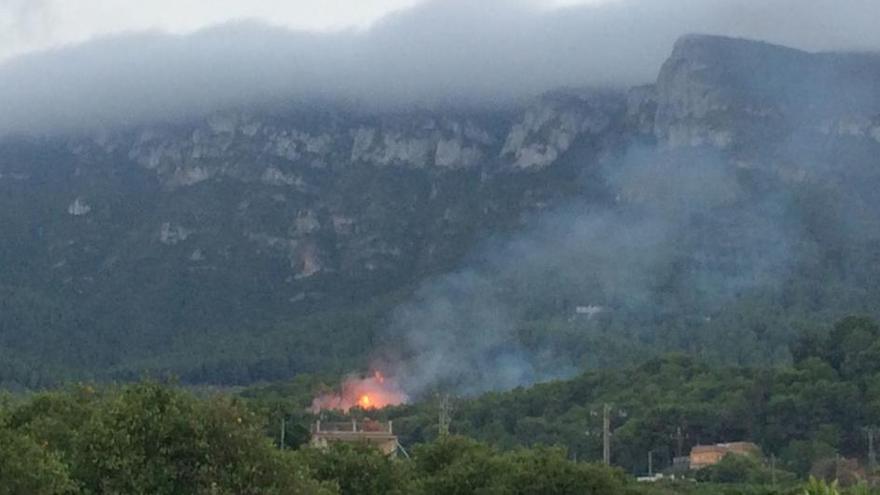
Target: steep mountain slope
x,y
256,243
129,244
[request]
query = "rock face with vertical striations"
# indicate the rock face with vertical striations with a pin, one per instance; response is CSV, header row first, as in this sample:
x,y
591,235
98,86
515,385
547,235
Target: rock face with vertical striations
x,y
751,98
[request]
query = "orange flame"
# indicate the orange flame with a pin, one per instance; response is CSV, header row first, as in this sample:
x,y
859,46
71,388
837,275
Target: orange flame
x,y
371,392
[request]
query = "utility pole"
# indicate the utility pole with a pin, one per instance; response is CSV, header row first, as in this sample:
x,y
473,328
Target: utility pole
x,y
679,441
283,428
870,431
651,458
773,468
606,430
445,415
606,434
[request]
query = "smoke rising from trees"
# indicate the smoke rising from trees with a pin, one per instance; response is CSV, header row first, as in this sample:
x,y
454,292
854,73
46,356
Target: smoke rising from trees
x,y
682,231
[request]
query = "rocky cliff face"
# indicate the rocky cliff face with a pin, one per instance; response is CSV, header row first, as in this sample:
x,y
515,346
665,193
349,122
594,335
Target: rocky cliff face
x,y
243,219
330,195
756,100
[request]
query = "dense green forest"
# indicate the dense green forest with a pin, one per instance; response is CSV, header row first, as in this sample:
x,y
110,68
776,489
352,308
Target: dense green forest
x,y
803,416
155,439
809,419
738,274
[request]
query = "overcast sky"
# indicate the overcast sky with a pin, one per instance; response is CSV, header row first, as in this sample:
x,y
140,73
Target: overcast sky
x,y
120,62
27,25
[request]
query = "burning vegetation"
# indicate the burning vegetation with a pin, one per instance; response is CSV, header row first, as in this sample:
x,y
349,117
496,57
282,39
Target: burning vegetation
x,y
370,392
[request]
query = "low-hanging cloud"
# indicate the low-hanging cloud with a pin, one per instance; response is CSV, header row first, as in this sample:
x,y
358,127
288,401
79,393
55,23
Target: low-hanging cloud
x,y
21,20
456,52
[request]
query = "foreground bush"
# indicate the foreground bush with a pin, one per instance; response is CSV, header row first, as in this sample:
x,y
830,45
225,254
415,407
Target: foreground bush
x,y
145,439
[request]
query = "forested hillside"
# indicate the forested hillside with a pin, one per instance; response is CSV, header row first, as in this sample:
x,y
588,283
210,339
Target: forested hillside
x,y
718,212
440,247
152,438
802,415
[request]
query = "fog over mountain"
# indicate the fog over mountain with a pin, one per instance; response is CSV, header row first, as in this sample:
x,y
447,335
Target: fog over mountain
x,y
656,219
474,195
459,52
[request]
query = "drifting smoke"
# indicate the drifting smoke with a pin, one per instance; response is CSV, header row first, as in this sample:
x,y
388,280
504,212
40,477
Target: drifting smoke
x,y
682,243
703,248
372,392
681,222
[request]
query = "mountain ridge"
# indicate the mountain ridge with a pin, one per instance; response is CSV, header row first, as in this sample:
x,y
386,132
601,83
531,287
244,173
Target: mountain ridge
x,y
126,246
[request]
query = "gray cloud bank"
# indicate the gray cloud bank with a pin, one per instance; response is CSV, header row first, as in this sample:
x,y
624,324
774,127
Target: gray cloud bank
x,y
457,51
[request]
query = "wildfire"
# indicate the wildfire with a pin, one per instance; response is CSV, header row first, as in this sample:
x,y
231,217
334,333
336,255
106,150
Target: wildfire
x,y
371,392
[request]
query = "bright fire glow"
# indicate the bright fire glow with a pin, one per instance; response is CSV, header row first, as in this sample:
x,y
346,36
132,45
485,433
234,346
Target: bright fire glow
x,y
371,392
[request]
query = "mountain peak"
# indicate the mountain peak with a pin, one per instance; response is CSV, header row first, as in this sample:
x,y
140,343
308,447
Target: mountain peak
x,y
736,54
